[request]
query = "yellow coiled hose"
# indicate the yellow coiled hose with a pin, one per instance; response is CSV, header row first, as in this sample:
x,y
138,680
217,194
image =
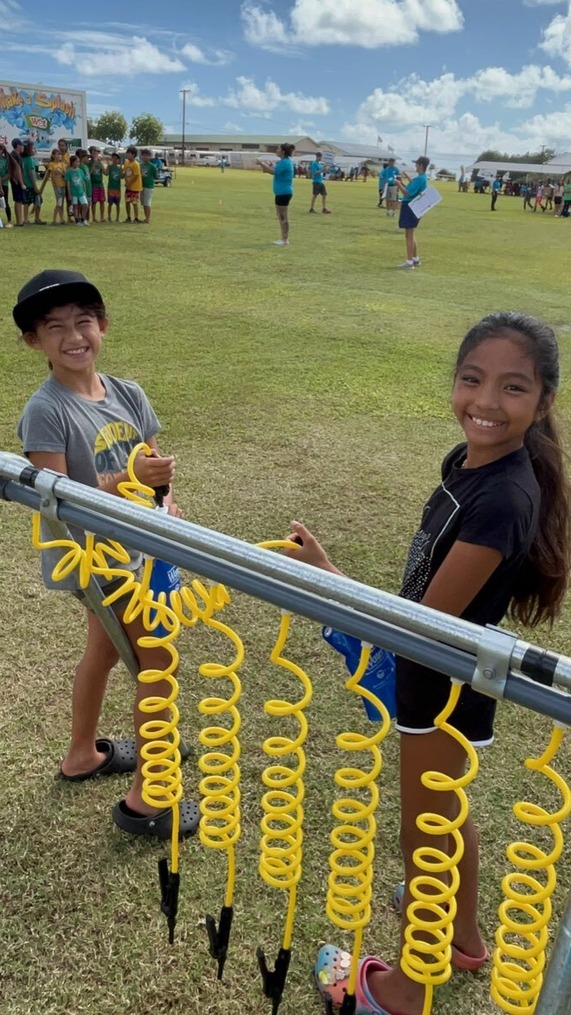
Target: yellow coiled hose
x,y
521,939
162,779
426,958
281,843
350,880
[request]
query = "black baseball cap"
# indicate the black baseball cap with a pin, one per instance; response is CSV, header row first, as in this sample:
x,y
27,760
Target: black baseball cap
x,y
17,141
52,288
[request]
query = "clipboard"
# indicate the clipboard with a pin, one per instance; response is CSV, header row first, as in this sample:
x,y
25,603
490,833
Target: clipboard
x,y
424,202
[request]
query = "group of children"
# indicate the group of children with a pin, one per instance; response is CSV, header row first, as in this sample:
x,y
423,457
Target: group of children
x,y
494,538
78,182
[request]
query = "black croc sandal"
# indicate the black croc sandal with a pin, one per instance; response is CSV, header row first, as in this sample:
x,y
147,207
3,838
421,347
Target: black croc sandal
x,y
121,758
158,825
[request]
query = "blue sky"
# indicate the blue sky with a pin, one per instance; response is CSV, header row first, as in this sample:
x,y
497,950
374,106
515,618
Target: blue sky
x,y
482,73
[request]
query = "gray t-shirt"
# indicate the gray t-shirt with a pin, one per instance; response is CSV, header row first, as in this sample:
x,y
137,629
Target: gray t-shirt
x,y
95,437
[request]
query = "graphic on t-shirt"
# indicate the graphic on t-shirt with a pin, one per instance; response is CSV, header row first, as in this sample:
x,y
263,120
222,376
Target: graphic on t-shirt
x,y
112,447
417,571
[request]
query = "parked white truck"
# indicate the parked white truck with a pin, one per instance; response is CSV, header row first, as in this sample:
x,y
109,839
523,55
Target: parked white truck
x,y
42,115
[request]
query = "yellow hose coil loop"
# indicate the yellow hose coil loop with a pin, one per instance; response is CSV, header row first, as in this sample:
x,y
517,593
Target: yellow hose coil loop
x,y
522,937
220,785
162,779
427,946
349,894
281,843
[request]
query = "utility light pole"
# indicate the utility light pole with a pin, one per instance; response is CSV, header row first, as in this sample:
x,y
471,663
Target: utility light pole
x,y
184,92
427,128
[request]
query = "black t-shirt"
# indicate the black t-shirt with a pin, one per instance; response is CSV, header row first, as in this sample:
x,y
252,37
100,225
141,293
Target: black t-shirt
x,y
496,506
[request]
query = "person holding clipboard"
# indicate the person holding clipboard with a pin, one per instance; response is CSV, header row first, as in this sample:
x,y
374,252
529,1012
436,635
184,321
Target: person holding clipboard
x,y
407,219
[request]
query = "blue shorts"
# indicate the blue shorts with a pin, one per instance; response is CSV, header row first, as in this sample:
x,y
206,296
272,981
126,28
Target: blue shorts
x,y
407,218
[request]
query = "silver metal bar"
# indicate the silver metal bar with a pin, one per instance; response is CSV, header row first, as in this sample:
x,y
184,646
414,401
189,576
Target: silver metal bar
x,y
555,996
444,658
406,615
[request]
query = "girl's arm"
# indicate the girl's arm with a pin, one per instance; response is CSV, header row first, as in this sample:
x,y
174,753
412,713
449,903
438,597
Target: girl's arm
x,y
460,577
462,574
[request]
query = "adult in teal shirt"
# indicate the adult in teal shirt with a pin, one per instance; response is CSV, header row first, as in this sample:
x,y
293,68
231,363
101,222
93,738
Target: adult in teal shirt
x,y
388,186
282,173
407,219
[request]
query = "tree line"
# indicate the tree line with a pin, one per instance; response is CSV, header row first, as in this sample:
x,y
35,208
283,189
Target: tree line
x,y
491,155
112,128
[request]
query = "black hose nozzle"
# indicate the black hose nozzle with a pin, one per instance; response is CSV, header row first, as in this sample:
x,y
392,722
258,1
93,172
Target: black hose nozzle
x,y
170,884
274,979
219,937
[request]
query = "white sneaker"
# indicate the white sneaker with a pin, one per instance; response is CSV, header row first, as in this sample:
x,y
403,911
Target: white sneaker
x,y
281,243
407,264
416,261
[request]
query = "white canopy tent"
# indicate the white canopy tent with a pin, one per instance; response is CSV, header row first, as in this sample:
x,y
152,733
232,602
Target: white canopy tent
x,y
556,167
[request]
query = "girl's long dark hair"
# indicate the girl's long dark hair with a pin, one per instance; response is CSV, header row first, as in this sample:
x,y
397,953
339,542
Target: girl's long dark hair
x,y
542,581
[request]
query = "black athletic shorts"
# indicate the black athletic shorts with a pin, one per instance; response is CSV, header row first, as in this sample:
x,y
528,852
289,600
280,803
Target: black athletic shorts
x,y
407,218
422,693
283,199
17,192
319,188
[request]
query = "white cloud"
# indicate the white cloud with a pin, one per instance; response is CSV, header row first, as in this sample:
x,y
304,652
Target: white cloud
x,y
263,100
402,111
10,16
557,37
301,128
416,101
517,90
117,55
252,100
263,28
366,23
216,58
194,98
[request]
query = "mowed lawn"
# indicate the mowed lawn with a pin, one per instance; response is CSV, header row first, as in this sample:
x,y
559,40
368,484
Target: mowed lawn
x,y
310,382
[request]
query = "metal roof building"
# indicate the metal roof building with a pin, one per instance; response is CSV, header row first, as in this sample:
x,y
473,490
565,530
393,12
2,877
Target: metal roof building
x,y
240,142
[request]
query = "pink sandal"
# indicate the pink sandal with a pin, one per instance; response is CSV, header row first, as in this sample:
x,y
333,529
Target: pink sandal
x,y
469,963
332,978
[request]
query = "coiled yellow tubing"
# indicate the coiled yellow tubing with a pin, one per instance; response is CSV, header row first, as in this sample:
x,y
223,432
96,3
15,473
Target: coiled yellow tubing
x,y
426,958
219,788
521,939
281,844
162,779
350,879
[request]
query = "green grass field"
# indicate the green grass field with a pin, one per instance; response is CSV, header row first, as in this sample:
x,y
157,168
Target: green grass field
x,y
311,382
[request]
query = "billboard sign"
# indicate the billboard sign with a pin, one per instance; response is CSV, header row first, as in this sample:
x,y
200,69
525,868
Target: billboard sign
x,y
42,115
